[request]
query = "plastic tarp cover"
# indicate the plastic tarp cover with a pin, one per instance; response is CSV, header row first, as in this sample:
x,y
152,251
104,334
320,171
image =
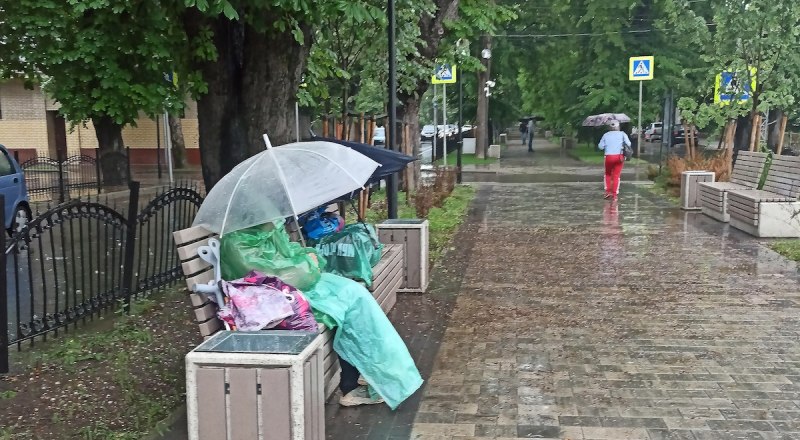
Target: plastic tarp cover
x,y
352,253
366,338
267,249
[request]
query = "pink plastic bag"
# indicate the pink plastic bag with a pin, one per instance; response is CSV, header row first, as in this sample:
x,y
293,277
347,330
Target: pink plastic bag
x,y
301,316
254,306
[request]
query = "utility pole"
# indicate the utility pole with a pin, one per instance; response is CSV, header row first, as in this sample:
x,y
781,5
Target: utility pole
x,y
391,190
482,141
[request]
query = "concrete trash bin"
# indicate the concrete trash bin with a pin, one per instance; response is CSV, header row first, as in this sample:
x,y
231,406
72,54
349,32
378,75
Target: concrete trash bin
x,y
690,190
256,385
469,146
414,235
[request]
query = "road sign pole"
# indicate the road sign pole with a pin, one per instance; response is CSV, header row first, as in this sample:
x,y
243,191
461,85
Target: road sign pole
x,y
444,121
639,131
435,127
167,146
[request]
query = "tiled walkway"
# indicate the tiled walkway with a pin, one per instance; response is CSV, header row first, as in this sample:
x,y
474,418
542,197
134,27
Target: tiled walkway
x,y
561,315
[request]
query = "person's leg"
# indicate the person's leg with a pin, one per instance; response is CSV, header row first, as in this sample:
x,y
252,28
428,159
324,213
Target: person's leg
x,y
607,183
349,377
618,174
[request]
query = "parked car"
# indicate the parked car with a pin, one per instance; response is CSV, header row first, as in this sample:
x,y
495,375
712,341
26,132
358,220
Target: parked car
x,y
679,134
427,133
379,136
653,132
12,186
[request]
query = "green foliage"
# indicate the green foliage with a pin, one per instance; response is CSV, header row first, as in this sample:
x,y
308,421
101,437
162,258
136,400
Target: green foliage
x,y
444,221
788,248
573,57
748,34
96,58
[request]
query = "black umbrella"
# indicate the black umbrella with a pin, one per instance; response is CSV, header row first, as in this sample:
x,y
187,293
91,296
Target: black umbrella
x,y
391,161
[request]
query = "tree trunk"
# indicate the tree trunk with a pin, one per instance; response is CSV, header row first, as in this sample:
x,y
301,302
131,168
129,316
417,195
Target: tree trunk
x,y
408,115
774,133
252,88
178,143
113,160
741,140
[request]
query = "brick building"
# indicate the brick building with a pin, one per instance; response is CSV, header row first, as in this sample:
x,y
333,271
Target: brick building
x,y
30,124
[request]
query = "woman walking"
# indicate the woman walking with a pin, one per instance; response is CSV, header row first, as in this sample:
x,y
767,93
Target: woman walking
x,y
612,143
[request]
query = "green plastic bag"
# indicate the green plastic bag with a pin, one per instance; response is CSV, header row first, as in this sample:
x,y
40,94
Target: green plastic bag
x,y
365,338
352,252
267,249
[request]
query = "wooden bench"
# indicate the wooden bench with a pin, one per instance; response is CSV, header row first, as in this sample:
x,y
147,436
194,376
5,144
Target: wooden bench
x,y
773,211
746,175
387,279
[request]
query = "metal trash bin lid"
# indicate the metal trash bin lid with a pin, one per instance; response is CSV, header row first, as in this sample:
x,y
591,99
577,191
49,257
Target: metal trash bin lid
x,y
265,341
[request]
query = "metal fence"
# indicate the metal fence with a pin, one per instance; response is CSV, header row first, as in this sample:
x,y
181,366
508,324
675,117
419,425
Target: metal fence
x,y
53,179
75,176
81,259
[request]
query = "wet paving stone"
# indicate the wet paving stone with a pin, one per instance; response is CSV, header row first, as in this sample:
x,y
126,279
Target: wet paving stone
x,y
573,317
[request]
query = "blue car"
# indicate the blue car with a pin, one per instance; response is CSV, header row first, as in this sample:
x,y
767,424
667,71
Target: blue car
x,y
12,186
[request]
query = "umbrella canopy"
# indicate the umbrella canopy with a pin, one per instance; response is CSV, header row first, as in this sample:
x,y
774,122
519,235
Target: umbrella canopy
x,y
281,182
390,161
604,119
528,118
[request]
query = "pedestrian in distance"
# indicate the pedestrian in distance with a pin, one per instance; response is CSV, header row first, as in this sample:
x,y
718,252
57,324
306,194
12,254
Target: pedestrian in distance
x,y
523,132
613,144
531,130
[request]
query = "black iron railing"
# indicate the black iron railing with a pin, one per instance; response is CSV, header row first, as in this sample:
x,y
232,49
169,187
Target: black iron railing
x,y
53,179
81,259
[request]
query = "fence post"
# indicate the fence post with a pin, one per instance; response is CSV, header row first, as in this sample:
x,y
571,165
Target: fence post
x,y
130,240
4,367
97,170
128,160
61,187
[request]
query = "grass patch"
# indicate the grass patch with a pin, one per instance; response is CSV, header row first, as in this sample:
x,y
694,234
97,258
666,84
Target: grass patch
x,y
444,221
466,159
596,157
103,383
788,248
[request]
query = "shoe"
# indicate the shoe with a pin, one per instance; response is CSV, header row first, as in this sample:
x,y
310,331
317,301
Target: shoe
x,y
362,381
359,396
607,195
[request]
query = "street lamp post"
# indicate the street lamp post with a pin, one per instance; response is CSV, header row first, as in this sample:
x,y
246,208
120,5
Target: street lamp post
x,y
391,190
462,49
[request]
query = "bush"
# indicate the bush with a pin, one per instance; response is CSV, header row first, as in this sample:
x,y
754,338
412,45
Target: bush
x,y
434,194
718,163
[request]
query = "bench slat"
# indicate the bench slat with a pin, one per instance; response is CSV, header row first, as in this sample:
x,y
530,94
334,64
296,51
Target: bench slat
x,y
392,260
189,251
186,236
208,311
210,327
201,278
193,267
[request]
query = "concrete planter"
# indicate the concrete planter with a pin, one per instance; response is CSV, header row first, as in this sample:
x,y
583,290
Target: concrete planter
x,y
250,385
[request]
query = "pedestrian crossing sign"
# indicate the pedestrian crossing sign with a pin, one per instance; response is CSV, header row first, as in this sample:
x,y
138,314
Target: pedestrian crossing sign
x,y
444,74
641,69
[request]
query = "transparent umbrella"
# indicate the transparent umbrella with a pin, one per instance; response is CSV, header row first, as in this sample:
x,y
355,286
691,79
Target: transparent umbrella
x,y
604,119
283,182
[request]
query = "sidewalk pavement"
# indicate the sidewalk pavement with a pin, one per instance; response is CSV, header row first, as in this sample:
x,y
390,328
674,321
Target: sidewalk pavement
x,y
557,314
